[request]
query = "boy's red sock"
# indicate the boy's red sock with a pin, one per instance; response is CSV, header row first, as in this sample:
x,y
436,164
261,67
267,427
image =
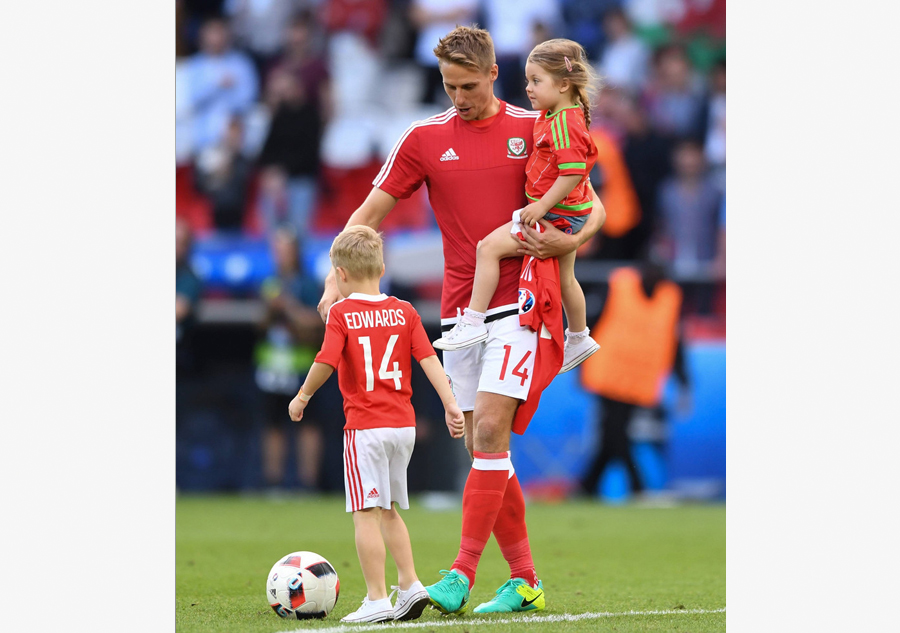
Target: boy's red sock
x,y
512,534
482,498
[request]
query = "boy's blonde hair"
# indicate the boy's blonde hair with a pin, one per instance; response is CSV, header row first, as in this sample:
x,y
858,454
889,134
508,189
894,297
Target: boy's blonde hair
x,y
360,251
552,55
467,46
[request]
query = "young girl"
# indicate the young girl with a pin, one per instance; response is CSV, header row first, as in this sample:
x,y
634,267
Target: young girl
x,y
559,82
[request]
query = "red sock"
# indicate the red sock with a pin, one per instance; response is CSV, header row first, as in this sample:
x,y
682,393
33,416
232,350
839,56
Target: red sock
x,y
482,498
512,534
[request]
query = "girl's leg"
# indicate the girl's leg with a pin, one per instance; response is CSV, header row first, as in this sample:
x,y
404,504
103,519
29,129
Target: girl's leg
x,y
572,294
396,537
370,549
498,245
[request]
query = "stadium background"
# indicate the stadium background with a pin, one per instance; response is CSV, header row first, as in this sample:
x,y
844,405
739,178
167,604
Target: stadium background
x,y
366,81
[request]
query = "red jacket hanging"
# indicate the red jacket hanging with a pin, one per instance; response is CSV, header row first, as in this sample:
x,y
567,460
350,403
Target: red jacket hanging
x,y
540,308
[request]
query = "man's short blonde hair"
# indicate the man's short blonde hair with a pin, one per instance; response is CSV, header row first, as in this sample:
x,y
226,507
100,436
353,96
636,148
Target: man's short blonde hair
x,y
360,251
467,46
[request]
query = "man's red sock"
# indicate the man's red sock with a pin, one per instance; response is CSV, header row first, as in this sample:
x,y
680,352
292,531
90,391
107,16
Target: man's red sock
x,y
512,534
482,499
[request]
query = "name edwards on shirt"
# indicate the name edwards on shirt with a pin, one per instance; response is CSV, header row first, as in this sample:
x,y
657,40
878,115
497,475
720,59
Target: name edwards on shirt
x,y
374,318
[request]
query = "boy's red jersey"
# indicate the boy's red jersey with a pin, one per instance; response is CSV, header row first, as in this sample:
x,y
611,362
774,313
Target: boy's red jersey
x,y
475,172
562,147
370,340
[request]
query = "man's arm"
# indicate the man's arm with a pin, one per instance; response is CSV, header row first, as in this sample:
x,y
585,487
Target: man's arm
x,y
553,242
372,213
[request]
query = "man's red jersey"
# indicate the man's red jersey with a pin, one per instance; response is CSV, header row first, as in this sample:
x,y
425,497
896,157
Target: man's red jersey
x,y
475,174
562,147
369,339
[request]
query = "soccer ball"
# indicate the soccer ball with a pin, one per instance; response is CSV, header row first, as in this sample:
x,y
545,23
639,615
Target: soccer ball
x,y
302,585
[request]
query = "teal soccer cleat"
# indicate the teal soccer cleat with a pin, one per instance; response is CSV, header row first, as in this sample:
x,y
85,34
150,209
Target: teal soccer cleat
x,y
515,595
450,595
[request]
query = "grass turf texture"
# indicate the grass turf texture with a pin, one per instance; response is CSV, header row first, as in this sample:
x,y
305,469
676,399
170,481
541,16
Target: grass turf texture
x,y
590,557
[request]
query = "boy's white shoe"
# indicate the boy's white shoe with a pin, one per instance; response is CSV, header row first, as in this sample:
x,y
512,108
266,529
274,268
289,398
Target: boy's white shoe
x,y
410,603
372,611
463,334
577,352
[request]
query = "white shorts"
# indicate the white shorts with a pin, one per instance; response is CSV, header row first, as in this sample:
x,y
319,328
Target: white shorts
x,y
502,364
375,462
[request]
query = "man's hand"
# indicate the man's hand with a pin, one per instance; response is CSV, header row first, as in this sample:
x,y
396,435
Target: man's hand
x,y
331,296
551,243
296,407
456,421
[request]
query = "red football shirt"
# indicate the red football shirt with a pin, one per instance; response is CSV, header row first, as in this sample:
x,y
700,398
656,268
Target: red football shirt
x,y
369,339
476,178
562,147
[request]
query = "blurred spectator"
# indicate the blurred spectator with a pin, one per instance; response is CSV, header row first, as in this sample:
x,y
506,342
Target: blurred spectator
x,y
291,335
648,156
434,19
221,84
290,155
625,58
674,97
258,27
714,124
223,176
582,20
354,61
187,294
638,332
302,58
512,24
181,42
617,238
689,204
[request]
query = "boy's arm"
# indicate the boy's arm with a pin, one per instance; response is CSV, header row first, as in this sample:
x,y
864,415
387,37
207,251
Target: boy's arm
x,y
562,187
371,212
438,379
318,374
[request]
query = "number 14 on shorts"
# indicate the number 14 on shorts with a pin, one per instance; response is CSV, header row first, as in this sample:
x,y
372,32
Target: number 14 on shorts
x,y
518,369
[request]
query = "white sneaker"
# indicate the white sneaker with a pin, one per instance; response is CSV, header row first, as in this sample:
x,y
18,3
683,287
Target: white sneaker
x,y
577,353
462,335
410,603
372,611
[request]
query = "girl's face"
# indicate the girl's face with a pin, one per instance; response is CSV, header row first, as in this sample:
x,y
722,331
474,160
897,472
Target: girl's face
x,y
542,90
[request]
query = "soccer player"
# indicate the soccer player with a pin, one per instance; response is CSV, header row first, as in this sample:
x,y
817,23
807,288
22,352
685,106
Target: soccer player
x,y
560,80
369,338
473,159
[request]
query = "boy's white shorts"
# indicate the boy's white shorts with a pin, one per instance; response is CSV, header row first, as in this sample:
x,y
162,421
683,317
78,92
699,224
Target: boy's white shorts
x,y
502,364
375,462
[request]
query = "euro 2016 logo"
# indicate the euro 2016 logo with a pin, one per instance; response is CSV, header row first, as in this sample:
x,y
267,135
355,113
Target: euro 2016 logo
x,y
526,300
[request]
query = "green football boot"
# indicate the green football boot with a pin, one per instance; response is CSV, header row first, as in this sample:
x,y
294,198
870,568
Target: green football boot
x,y
514,596
450,595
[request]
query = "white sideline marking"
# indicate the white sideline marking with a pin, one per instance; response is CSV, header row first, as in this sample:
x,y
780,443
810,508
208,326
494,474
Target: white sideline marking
x,y
535,619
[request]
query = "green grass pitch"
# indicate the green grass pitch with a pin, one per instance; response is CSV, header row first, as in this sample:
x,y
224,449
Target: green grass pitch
x,y
592,558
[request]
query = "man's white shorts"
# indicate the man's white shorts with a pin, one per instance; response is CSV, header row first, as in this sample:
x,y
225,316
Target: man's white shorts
x,y
375,462
502,364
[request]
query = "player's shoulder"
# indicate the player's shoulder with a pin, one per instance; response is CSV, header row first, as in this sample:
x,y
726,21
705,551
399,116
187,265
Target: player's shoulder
x,y
402,303
521,113
432,123
337,307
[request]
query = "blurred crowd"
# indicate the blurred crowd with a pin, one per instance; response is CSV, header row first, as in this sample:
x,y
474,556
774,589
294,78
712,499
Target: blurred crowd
x,y
285,107
286,110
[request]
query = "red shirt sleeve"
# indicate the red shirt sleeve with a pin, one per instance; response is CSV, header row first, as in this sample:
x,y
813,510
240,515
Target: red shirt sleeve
x,y
574,146
403,171
418,339
335,338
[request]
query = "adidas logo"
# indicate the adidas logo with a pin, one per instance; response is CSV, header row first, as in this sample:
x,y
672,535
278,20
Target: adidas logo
x,y
449,155
373,494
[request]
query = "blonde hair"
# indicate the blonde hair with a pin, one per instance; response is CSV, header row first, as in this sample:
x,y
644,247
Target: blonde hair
x,y
360,251
552,56
467,46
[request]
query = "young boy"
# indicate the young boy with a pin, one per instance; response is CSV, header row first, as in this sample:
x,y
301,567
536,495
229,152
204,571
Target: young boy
x,y
369,338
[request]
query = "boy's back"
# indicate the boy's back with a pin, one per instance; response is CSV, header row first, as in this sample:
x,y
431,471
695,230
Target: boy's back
x,y
369,339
